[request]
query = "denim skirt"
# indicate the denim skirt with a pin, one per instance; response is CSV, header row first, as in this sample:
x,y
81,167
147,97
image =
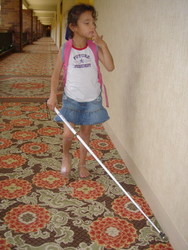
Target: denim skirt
x,y
83,113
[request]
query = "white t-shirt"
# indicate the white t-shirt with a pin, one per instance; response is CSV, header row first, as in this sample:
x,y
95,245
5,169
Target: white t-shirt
x,y
82,76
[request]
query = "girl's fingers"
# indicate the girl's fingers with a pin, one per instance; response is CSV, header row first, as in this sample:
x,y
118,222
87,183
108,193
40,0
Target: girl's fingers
x,y
51,106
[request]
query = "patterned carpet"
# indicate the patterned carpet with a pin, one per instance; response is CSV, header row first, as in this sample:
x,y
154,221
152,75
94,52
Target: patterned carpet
x,y
27,64
39,210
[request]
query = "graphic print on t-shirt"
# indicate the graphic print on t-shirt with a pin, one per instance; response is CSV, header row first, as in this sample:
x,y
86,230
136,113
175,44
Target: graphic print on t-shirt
x,y
82,61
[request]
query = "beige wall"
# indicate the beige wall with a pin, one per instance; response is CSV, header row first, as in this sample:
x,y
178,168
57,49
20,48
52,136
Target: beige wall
x,y
148,95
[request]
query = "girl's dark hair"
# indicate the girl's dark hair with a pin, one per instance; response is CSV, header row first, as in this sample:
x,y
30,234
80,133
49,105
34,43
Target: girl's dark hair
x,y
73,15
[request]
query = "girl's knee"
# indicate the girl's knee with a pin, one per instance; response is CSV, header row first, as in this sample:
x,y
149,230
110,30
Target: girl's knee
x,y
85,130
85,135
68,136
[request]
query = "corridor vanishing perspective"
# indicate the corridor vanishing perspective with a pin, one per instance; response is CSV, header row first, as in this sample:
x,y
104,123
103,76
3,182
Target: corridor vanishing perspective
x,y
39,210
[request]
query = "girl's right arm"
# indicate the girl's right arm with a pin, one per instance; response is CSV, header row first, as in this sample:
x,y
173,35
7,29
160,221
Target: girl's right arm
x,y
52,101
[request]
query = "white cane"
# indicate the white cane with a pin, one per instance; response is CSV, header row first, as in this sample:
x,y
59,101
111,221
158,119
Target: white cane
x,y
108,172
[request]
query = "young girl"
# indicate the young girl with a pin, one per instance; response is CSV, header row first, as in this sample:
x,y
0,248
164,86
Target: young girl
x,y
82,102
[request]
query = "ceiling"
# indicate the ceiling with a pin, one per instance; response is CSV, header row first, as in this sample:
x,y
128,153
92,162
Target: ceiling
x,y
45,10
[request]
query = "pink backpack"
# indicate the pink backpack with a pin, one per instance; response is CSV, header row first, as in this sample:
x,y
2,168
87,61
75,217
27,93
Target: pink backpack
x,y
66,53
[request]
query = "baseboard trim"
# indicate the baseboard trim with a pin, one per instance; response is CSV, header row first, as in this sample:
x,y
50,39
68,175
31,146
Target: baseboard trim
x,y
165,222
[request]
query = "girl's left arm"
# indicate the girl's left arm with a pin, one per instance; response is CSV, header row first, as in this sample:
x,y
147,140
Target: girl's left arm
x,y
104,54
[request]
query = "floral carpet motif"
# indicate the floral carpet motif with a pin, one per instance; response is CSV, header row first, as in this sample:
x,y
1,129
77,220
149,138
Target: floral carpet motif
x,y
40,210
24,87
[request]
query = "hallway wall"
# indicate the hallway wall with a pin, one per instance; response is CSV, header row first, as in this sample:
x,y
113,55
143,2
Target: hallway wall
x,y
148,101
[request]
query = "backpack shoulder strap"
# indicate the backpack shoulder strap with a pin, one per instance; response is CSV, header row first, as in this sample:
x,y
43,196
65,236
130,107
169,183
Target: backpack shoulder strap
x,y
94,49
65,57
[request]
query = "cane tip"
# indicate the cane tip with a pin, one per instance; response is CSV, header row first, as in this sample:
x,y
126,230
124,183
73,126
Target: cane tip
x,y
163,236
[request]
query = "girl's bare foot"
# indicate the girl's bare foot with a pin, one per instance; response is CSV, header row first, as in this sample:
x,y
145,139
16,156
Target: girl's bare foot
x,y
83,172
66,166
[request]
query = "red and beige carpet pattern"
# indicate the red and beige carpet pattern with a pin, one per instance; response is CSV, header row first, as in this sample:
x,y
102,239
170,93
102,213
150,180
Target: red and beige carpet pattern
x,y
39,210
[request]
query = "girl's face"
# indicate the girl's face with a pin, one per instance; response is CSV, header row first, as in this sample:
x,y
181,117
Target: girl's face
x,y
85,25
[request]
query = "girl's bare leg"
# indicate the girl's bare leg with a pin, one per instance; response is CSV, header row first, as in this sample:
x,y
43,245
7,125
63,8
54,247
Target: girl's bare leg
x,y
85,131
66,161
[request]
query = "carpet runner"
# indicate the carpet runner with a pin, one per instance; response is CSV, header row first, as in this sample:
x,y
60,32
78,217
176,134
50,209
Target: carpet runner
x,y
39,210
